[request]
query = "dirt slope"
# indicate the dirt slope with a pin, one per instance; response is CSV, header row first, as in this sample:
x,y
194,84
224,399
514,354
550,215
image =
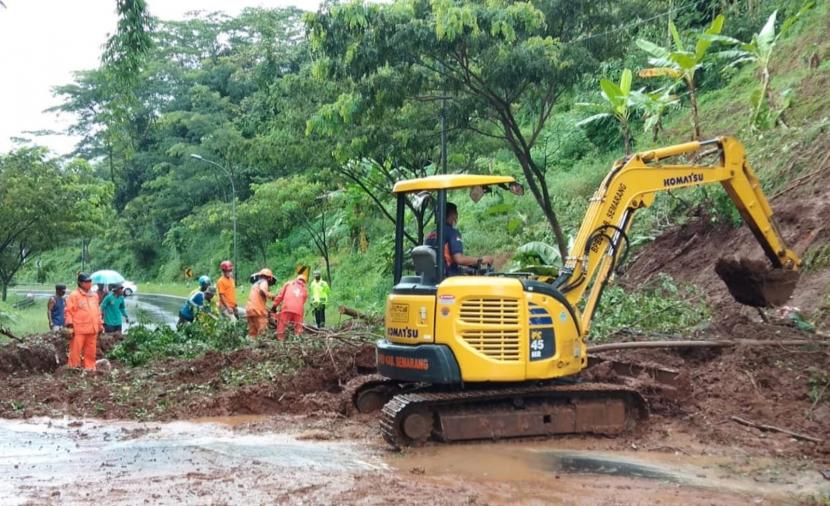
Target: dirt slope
x,y
688,253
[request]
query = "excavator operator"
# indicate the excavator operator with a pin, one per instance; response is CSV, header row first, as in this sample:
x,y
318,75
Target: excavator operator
x,y
454,257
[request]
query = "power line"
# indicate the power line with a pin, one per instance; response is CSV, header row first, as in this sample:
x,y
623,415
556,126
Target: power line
x,y
631,25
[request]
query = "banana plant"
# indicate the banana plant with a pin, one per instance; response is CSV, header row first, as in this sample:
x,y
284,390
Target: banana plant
x,y
759,52
680,64
653,105
618,103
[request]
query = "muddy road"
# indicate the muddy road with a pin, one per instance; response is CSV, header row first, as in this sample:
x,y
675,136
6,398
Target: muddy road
x,y
320,460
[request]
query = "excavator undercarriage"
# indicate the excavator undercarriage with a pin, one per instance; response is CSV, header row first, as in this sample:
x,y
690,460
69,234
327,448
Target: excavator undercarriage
x,y
509,412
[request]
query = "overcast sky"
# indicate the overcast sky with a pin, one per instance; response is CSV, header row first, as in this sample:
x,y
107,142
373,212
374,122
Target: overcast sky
x,y
43,41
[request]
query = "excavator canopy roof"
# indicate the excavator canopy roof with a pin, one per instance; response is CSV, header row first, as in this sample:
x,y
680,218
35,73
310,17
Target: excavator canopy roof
x,y
448,182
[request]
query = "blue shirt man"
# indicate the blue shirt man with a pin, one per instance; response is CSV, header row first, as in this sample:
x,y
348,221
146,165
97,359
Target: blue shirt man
x,y
197,301
56,307
453,250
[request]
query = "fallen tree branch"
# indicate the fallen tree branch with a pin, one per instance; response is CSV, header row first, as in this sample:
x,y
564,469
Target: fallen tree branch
x,y
773,428
795,183
354,313
634,345
8,333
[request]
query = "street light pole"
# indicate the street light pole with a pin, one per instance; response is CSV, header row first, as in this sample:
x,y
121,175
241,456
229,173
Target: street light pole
x,y
233,209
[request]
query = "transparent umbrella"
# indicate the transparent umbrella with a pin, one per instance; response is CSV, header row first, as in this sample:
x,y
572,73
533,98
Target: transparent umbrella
x,y
106,277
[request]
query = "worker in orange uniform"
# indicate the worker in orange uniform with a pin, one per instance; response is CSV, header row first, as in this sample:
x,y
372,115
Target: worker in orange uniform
x,y
83,316
292,296
227,292
256,310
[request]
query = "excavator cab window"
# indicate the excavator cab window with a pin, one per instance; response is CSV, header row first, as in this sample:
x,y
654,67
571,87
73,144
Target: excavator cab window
x,y
427,261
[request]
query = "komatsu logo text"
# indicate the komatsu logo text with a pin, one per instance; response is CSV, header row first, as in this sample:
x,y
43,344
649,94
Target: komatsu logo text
x,y
402,332
690,178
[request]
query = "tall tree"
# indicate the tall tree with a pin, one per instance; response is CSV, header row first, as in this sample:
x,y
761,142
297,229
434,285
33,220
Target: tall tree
x,y
505,61
42,205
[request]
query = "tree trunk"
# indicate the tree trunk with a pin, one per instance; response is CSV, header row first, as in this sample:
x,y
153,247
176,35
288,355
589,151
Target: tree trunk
x,y
263,250
538,186
328,269
5,290
534,176
626,133
695,117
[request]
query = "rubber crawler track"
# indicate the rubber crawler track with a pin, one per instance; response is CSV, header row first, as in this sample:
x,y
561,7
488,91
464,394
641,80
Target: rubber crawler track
x,y
394,412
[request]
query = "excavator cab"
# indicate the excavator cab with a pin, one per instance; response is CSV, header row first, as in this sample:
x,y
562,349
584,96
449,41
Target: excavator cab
x,y
480,326
431,192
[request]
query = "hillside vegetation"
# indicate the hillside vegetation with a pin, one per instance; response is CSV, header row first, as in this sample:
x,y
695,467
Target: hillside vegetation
x,y
314,116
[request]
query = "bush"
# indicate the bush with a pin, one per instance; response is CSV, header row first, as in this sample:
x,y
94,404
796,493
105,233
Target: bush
x,y
144,344
659,307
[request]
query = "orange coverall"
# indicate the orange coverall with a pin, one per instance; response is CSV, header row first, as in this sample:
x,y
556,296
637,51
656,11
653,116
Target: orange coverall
x,y
292,296
255,311
84,314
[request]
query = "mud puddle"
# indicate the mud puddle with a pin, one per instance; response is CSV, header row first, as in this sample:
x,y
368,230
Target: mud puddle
x,y
265,460
627,477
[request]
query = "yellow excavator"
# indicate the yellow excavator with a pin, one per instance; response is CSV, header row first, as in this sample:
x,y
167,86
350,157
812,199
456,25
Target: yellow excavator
x,y
496,355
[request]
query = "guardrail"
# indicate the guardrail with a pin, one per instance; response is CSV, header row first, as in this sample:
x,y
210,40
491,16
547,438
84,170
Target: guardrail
x,y
24,303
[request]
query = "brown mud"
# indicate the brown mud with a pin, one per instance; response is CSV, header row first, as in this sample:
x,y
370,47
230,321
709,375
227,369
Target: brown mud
x,y
244,381
688,253
268,460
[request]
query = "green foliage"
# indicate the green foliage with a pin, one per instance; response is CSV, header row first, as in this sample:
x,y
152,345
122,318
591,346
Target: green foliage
x,y
143,344
43,204
817,257
619,100
759,52
356,105
502,63
537,257
124,50
682,63
660,307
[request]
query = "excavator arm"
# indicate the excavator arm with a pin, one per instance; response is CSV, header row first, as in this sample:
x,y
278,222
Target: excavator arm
x,y
632,184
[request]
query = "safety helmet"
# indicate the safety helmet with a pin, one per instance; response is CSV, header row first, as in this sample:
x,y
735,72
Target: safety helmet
x,y
83,277
316,274
266,273
225,266
204,281
210,290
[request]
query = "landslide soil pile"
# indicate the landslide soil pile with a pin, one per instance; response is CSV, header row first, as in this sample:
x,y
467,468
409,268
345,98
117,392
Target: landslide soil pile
x,y
300,376
42,353
782,386
690,252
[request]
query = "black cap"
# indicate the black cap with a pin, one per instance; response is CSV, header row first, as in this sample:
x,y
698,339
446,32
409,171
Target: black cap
x,y
82,277
60,286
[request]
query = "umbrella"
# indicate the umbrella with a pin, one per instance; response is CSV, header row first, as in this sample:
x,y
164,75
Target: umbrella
x,y
106,277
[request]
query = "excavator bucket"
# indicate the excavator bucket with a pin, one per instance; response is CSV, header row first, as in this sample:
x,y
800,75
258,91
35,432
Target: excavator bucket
x,y
755,283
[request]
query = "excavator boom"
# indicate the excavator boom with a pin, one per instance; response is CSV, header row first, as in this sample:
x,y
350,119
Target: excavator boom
x,y
633,183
